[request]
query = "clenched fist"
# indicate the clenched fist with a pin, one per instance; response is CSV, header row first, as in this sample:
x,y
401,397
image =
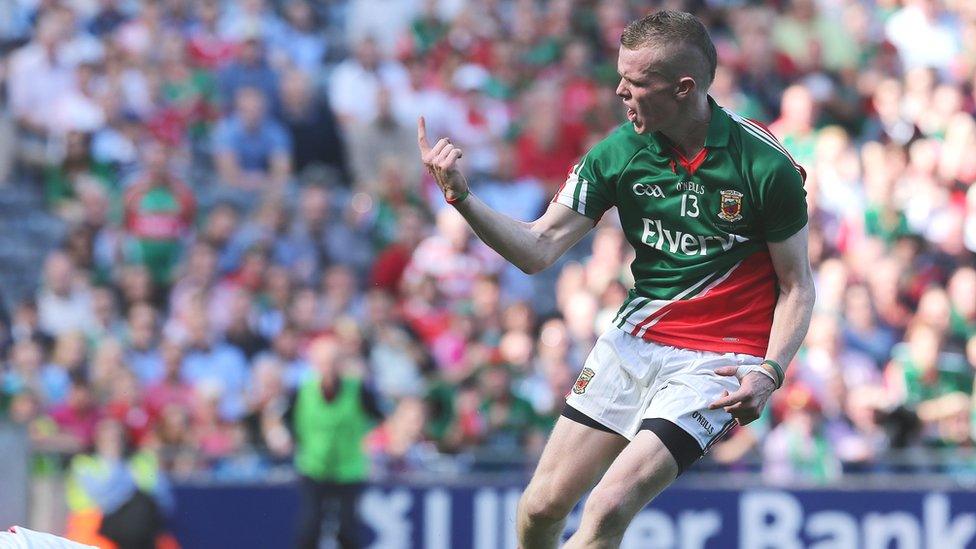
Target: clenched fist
x,y
441,162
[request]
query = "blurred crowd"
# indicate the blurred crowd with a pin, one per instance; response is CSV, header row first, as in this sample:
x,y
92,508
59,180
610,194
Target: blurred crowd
x,y
240,178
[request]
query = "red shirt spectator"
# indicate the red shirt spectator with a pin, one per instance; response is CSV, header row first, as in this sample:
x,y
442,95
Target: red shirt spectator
x,y
78,416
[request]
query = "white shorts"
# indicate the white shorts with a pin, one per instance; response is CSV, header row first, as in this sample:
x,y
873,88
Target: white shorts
x,y
627,380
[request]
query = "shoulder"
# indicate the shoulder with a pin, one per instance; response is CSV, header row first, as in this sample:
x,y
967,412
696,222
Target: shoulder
x,y
136,190
618,147
762,155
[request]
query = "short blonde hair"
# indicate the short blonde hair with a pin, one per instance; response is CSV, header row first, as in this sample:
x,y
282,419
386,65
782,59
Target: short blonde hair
x,y
673,27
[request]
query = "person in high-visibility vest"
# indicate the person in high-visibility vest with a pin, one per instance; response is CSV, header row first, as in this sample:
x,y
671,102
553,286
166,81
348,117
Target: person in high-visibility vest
x,y
111,497
332,413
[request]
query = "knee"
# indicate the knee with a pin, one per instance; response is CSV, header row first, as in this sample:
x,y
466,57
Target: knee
x,y
606,512
544,505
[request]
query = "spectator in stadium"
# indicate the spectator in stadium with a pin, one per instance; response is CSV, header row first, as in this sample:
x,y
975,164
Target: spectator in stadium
x,y
316,138
937,386
961,287
798,449
391,261
159,213
68,360
170,389
251,149
924,34
398,444
285,350
249,70
127,405
64,302
550,376
241,332
796,122
213,363
267,406
477,121
450,257
862,329
106,19
178,450
299,41
62,180
311,240
78,415
332,413
511,421
37,77
142,344
355,83
549,141
206,47
383,133
123,497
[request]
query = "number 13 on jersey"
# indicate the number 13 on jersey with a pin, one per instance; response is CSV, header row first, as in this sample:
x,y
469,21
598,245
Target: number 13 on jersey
x,y
689,205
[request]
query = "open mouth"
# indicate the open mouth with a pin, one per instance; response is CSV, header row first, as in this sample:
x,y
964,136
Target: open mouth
x,y
631,115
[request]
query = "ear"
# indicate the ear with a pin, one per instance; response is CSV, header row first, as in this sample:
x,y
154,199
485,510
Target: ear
x,y
685,86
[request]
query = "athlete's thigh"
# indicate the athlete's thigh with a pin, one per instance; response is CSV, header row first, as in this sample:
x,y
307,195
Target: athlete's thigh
x,y
641,471
573,460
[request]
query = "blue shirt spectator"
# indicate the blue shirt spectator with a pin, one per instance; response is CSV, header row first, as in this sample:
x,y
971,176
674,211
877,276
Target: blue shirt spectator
x,y
251,70
223,367
248,146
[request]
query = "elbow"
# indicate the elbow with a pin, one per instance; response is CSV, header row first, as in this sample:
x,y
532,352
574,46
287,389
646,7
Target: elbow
x,y
809,292
542,259
533,266
802,293
807,295
542,253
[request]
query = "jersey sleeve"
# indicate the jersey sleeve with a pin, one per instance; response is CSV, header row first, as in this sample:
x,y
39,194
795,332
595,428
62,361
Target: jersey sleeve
x,y
588,188
783,200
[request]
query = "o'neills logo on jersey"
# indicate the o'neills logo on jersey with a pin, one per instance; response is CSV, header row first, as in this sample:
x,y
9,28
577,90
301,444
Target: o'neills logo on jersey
x,y
690,186
657,236
583,380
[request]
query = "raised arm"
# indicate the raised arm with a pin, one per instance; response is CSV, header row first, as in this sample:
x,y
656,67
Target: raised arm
x,y
530,246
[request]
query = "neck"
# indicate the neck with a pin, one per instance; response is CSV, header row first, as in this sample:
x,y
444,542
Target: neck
x,y
688,132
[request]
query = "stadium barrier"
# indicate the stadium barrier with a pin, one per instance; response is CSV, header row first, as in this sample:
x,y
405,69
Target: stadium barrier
x,y
480,514
14,474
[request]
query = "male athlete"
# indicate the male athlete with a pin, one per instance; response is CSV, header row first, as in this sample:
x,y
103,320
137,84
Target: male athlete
x,y
715,209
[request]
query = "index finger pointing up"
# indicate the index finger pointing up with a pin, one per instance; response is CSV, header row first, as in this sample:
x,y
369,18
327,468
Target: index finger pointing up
x,y
422,136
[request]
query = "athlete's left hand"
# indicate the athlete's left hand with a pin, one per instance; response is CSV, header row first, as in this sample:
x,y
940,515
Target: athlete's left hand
x,y
747,402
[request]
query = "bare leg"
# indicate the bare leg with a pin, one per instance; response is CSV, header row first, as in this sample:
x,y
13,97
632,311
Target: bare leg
x,y
574,459
640,472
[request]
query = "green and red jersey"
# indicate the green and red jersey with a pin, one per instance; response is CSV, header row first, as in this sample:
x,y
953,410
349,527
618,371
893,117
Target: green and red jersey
x,y
703,276
158,217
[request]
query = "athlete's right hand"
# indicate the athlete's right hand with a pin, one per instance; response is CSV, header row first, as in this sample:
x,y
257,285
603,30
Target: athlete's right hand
x,y
441,162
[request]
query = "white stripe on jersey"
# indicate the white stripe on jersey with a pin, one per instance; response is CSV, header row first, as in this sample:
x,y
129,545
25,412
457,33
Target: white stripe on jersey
x,y
582,197
567,196
707,289
655,305
568,190
632,306
760,133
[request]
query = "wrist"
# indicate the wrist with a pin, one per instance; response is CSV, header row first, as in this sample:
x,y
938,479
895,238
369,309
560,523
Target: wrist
x,y
774,370
457,199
